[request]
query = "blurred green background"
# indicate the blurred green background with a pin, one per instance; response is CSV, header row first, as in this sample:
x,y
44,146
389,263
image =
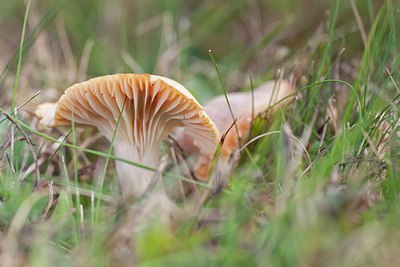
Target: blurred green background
x,y
75,40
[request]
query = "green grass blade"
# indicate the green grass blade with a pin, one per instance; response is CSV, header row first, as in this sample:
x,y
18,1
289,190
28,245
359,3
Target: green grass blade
x,y
20,53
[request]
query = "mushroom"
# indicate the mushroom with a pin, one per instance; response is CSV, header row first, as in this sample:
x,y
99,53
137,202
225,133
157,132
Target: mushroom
x,y
271,94
149,108
45,113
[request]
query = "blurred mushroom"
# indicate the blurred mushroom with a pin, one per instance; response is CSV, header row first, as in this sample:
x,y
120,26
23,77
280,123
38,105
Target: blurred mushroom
x,y
45,113
270,96
150,107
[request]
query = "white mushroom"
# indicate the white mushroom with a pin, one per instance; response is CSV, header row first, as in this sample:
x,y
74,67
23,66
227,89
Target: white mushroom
x,y
150,106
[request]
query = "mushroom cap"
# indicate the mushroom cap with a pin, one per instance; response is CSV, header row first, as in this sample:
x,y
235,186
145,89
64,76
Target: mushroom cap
x,y
151,107
271,94
45,113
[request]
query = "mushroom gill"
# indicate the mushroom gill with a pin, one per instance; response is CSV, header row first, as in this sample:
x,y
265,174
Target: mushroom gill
x,y
149,108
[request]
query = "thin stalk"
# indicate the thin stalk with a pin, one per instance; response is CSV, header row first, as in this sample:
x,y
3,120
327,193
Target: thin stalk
x,y
103,175
75,165
21,49
252,104
20,106
70,201
16,83
225,94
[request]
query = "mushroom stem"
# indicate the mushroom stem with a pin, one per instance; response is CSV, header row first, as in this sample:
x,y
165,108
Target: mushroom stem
x,y
134,180
138,182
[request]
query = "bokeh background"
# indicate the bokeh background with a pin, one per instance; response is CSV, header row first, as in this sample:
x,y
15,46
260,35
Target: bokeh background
x,y
70,41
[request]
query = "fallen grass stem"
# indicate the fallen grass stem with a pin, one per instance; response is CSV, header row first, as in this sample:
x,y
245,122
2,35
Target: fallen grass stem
x,y
101,154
